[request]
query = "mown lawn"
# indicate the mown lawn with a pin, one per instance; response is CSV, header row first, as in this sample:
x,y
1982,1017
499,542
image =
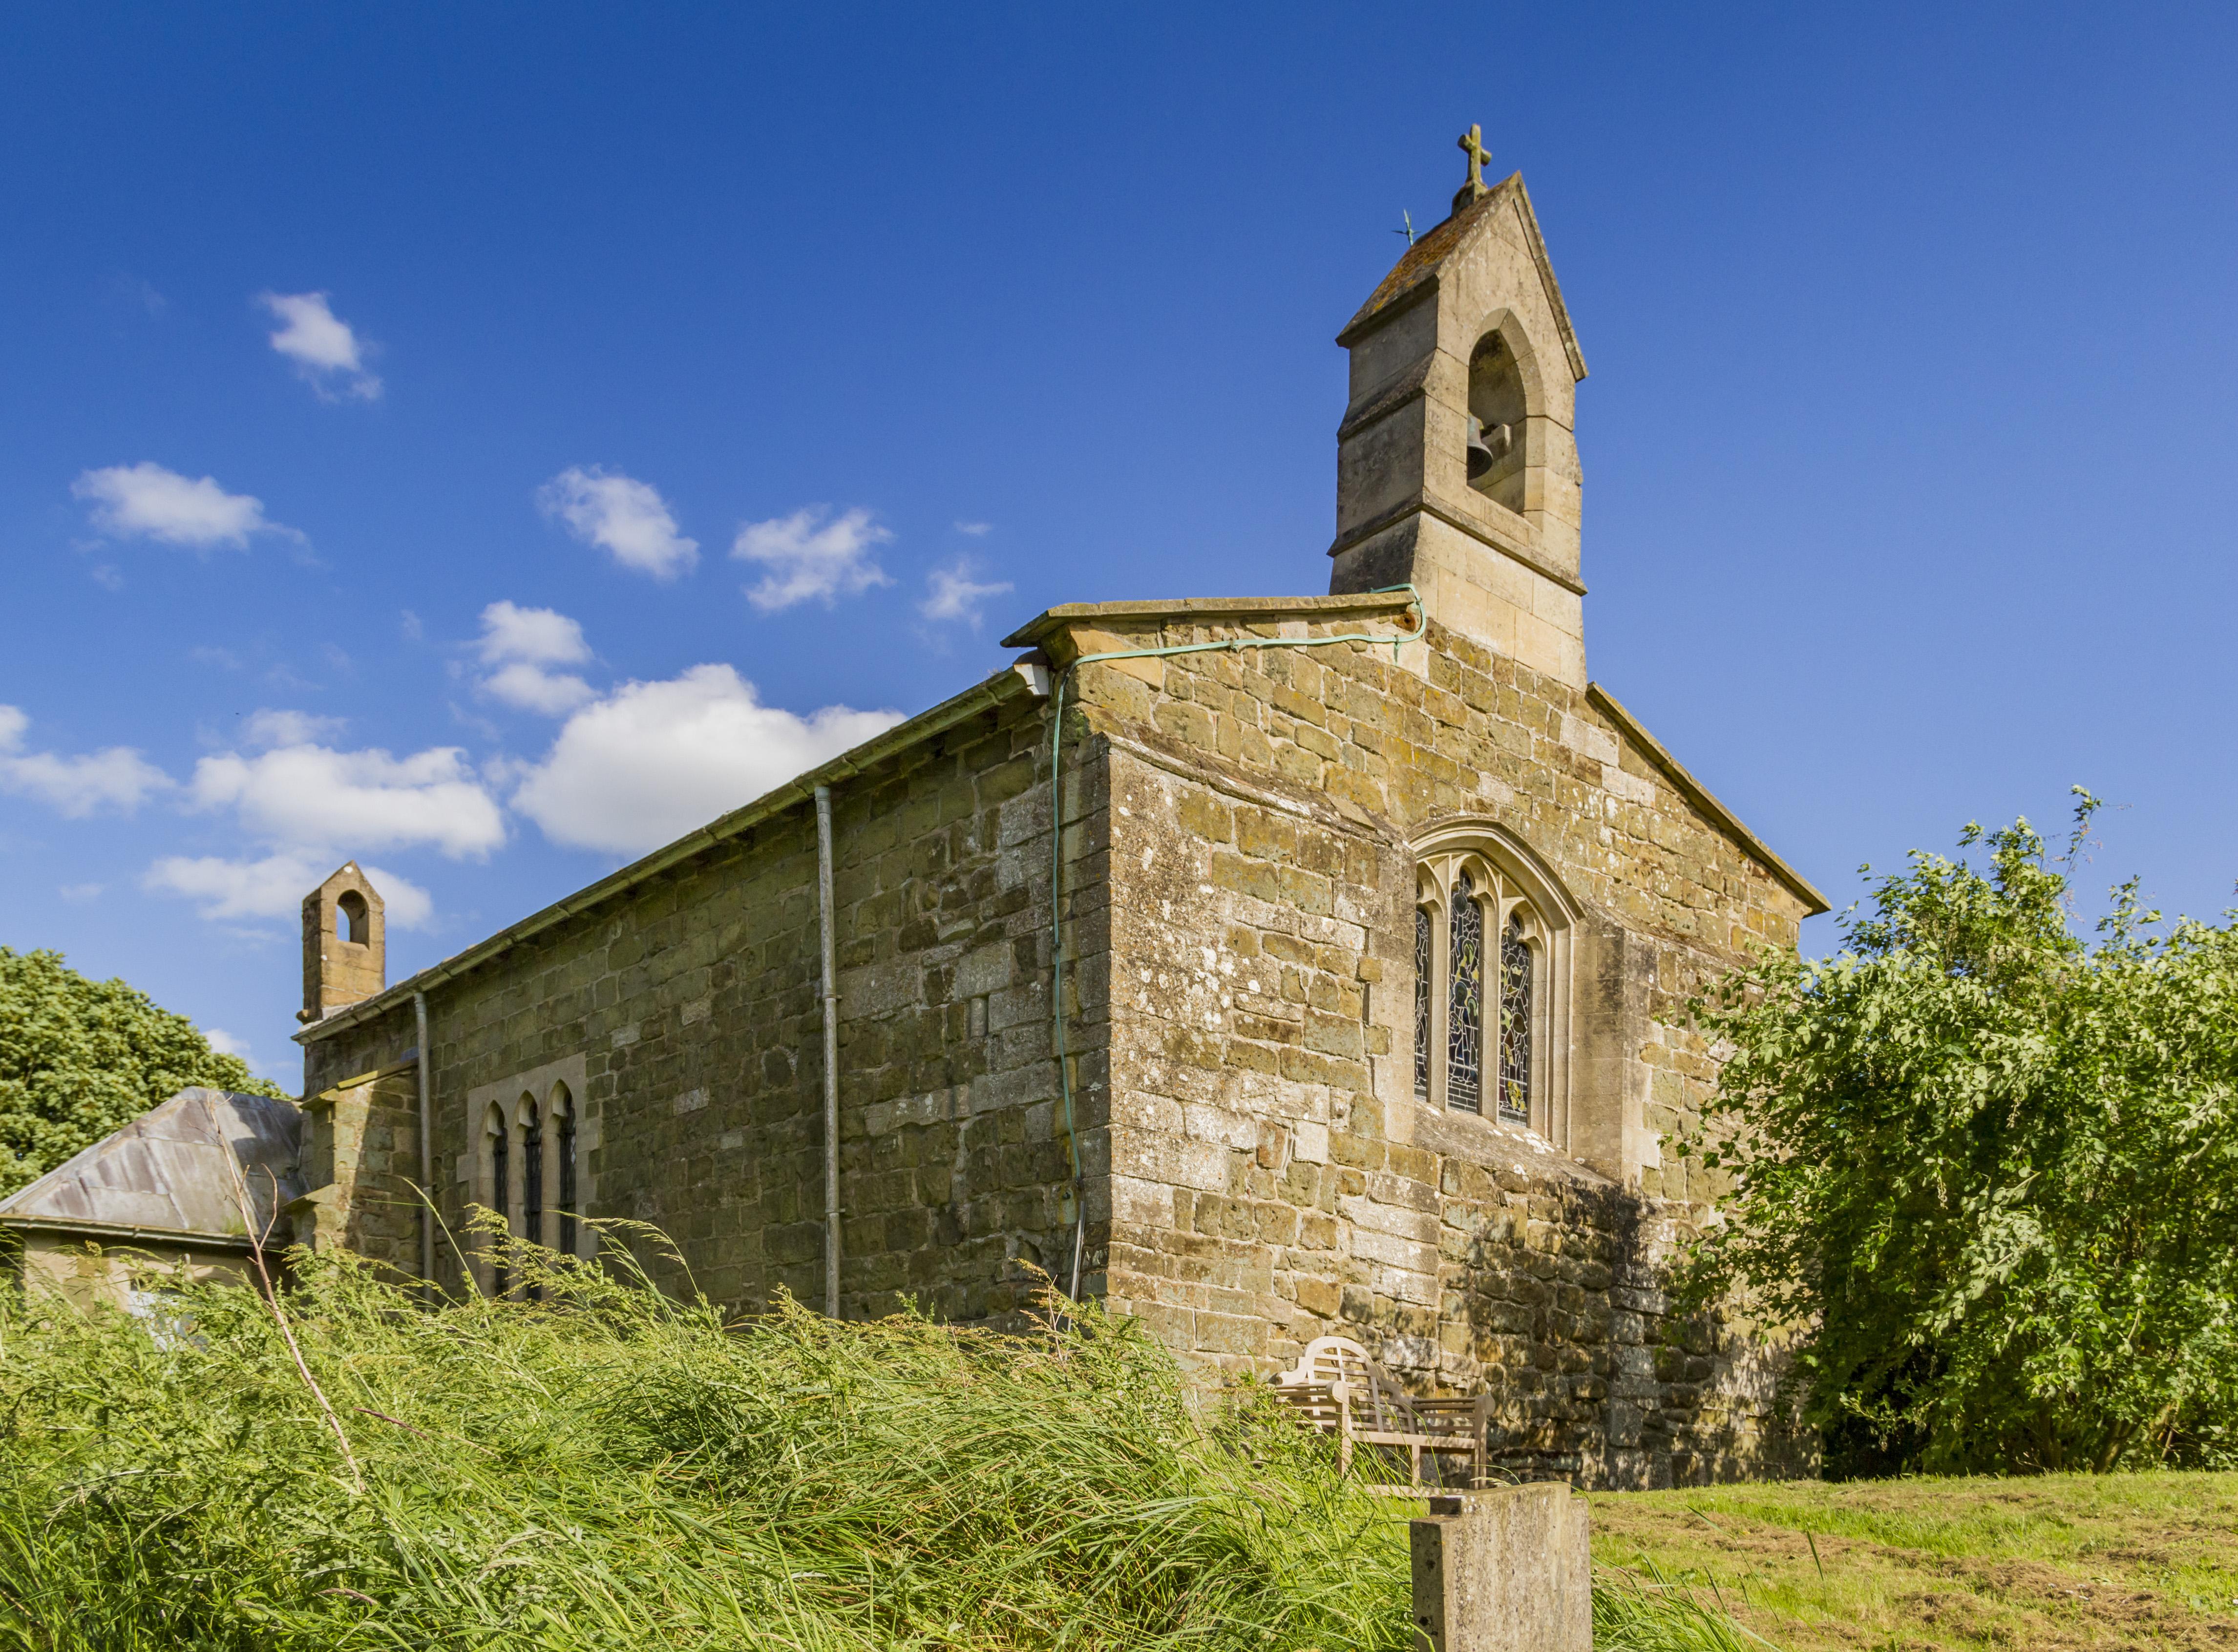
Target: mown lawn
x,y
2125,1559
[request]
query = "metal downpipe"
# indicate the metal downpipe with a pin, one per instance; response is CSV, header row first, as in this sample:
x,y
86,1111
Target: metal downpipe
x,y
426,1153
827,924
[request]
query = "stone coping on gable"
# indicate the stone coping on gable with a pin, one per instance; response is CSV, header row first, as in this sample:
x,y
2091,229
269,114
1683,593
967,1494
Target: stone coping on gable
x,y
1701,797
1003,687
1201,610
126,1232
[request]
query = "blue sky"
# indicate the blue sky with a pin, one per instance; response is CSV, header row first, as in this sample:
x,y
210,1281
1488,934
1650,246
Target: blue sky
x,y
483,440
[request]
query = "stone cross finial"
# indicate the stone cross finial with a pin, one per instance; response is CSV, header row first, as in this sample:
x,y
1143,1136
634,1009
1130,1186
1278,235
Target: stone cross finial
x,y
1472,144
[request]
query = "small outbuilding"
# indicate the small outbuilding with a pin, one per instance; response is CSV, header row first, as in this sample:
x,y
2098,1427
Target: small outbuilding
x,y
164,1195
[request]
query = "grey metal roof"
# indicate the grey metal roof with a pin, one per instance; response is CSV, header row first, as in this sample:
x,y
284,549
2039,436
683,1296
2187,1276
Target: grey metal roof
x,y
175,1170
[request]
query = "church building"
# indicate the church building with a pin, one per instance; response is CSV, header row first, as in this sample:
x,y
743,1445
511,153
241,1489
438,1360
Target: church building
x,y
1263,967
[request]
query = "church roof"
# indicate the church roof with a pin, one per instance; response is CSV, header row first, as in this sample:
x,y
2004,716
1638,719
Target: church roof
x,y
1004,686
174,1173
1417,272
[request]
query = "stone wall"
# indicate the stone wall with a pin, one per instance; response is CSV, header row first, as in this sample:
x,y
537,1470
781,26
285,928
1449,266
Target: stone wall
x,y
362,1163
1271,1177
1238,892
692,999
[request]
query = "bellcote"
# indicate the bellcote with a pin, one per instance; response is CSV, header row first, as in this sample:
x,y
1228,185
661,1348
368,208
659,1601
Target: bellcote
x,y
1457,464
345,943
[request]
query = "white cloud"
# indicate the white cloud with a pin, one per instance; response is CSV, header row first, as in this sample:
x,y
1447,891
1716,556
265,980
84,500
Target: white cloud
x,y
315,796
553,694
323,347
78,893
975,529
651,760
623,515
811,556
952,594
116,778
274,885
225,1044
147,501
522,643
541,636
403,903
271,887
268,727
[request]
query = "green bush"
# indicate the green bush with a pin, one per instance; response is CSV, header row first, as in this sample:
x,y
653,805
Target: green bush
x,y
1992,1168
79,1059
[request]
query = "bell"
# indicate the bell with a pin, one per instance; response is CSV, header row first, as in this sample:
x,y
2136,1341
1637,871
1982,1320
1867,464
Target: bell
x,y
1480,455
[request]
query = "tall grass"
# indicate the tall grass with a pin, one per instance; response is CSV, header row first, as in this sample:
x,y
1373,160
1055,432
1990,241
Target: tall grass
x,y
612,1468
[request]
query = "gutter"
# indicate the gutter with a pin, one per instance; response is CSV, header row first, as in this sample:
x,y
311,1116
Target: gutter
x,y
128,1233
998,690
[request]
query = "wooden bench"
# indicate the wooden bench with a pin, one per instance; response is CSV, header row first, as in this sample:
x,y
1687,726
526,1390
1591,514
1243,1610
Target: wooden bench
x,y
1337,1389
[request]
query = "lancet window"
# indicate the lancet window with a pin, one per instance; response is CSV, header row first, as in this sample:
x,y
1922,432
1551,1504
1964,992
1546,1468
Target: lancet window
x,y
1486,946
531,1175
500,1137
563,1120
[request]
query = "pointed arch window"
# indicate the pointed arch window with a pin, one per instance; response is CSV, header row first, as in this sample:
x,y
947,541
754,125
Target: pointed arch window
x,y
1492,947
563,1121
1515,1019
499,1138
532,1176
1465,1000
1424,927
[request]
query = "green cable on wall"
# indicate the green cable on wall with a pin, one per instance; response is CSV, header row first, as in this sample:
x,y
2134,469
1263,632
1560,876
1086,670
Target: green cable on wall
x,y
1234,644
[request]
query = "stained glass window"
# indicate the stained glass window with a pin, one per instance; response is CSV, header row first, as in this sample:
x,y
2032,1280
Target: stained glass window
x,y
1465,1006
500,1195
566,1122
1515,1024
531,1180
531,1177
1421,1003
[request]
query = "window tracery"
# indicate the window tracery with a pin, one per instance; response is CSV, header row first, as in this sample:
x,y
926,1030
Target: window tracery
x,y
1491,949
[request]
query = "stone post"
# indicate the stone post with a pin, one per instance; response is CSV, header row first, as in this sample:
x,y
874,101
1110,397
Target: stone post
x,y
1507,1570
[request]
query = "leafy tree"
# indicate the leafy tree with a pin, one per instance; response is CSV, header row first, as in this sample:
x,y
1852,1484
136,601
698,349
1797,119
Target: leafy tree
x,y
1992,1167
79,1059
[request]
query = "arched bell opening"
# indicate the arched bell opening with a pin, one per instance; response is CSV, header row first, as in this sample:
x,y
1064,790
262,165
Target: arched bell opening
x,y
352,920
1499,422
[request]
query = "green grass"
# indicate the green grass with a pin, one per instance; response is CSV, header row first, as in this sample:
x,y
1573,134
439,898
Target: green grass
x,y
2060,1560
627,1471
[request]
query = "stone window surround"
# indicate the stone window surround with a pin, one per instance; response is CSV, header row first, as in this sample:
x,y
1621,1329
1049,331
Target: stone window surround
x,y
507,1098
1502,865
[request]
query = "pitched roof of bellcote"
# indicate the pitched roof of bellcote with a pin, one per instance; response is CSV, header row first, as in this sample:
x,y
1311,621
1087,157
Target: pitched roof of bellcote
x,y
1416,274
